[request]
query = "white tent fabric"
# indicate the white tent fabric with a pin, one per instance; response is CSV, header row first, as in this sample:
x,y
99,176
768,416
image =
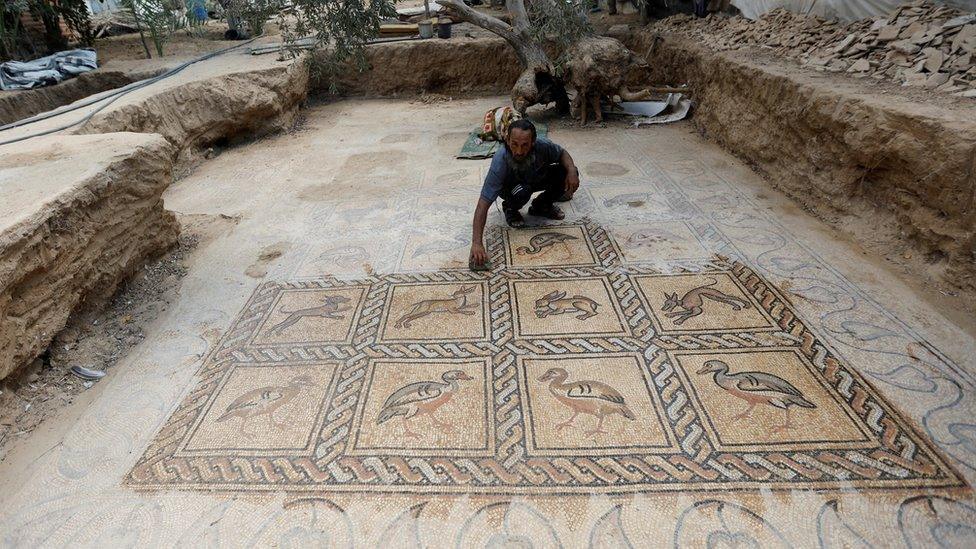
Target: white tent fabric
x,y
845,10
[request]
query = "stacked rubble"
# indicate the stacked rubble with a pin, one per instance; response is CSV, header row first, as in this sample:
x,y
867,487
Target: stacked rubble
x,y
917,44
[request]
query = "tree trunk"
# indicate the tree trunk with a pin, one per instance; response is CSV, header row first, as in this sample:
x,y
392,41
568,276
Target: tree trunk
x,y
596,66
537,84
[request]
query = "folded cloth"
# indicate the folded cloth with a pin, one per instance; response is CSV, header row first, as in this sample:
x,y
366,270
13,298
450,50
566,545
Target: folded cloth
x,y
475,147
24,75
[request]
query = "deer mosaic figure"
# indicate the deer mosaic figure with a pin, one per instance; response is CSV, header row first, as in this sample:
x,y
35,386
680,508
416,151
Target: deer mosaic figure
x,y
456,304
332,306
691,303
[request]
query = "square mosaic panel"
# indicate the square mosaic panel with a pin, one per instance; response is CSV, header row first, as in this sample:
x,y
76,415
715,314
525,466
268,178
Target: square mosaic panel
x,y
573,372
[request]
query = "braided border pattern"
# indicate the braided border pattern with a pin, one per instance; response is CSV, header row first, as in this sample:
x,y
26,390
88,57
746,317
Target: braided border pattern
x,y
901,459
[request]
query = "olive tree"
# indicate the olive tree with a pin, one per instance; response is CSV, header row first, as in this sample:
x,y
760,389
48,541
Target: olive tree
x,y
340,27
595,66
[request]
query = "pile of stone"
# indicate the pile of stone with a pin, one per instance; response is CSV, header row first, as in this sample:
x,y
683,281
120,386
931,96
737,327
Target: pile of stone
x,y
917,44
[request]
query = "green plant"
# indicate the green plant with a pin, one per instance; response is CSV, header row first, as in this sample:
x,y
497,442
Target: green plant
x,y
559,22
11,32
75,14
257,12
341,27
160,17
45,12
15,42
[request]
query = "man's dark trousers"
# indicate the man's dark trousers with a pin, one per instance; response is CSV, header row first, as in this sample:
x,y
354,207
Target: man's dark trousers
x,y
552,183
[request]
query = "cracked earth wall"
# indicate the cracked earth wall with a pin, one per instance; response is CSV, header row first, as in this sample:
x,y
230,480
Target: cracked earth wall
x,y
905,168
92,229
76,246
457,66
200,113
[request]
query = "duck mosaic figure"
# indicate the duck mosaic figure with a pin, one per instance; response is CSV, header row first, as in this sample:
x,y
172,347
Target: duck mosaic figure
x,y
757,388
586,397
265,401
422,398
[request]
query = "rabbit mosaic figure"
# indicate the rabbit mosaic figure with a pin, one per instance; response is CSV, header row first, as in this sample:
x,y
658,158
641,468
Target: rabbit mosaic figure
x,y
456,304
332,306
691,303
556,303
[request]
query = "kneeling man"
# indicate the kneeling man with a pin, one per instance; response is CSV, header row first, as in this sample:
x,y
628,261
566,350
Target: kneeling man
x,y
524,167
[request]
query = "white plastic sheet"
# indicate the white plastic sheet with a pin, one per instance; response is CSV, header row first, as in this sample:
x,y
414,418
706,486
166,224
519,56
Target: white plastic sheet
x,y
844,10
24,75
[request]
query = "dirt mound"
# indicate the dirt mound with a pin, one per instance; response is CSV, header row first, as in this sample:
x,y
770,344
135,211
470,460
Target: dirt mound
x,y
918,44
74,226
197,114
17,105
842,152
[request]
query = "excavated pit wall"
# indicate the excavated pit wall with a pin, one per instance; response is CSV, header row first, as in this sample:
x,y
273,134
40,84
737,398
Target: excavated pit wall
x,y
17,105
71,244
458,66
840,152
197,114
828,150
81,215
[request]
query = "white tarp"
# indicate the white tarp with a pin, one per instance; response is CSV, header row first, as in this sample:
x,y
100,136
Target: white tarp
x,y
845,10
24,75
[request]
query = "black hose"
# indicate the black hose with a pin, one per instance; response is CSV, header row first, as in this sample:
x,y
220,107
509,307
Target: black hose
x,y
111,97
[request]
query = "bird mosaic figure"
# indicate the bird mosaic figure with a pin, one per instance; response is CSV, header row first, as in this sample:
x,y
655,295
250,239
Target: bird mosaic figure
x,y
757,388
441,246
345,256
586,397
650,238
265,401
422,398
543,242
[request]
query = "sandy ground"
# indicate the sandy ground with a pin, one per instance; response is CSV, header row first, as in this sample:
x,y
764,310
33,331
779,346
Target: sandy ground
x,y
234,61
354,192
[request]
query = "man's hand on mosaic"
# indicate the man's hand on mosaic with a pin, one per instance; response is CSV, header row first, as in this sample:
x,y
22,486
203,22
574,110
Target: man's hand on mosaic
x,y
572,181
478,254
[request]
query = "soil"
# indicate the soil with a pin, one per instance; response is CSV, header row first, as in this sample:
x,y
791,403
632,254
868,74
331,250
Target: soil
x,y
887,167
262,182
19,104
181,44
469,63
99,338
121,60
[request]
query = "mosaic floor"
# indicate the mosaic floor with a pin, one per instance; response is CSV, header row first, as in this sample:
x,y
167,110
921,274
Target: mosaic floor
x,y
687,360
565,370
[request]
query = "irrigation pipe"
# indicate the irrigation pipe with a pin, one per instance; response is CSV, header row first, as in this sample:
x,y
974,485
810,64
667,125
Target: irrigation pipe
x,y
110,97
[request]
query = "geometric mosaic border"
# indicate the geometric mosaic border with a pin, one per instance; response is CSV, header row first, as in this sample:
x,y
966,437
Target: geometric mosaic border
x,y
891,455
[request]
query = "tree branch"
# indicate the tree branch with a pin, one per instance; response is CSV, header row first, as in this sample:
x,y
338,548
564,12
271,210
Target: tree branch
x,y
486,22
529,52
520,18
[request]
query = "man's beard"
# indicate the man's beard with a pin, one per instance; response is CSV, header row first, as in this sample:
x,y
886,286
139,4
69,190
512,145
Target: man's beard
x,y
521,164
